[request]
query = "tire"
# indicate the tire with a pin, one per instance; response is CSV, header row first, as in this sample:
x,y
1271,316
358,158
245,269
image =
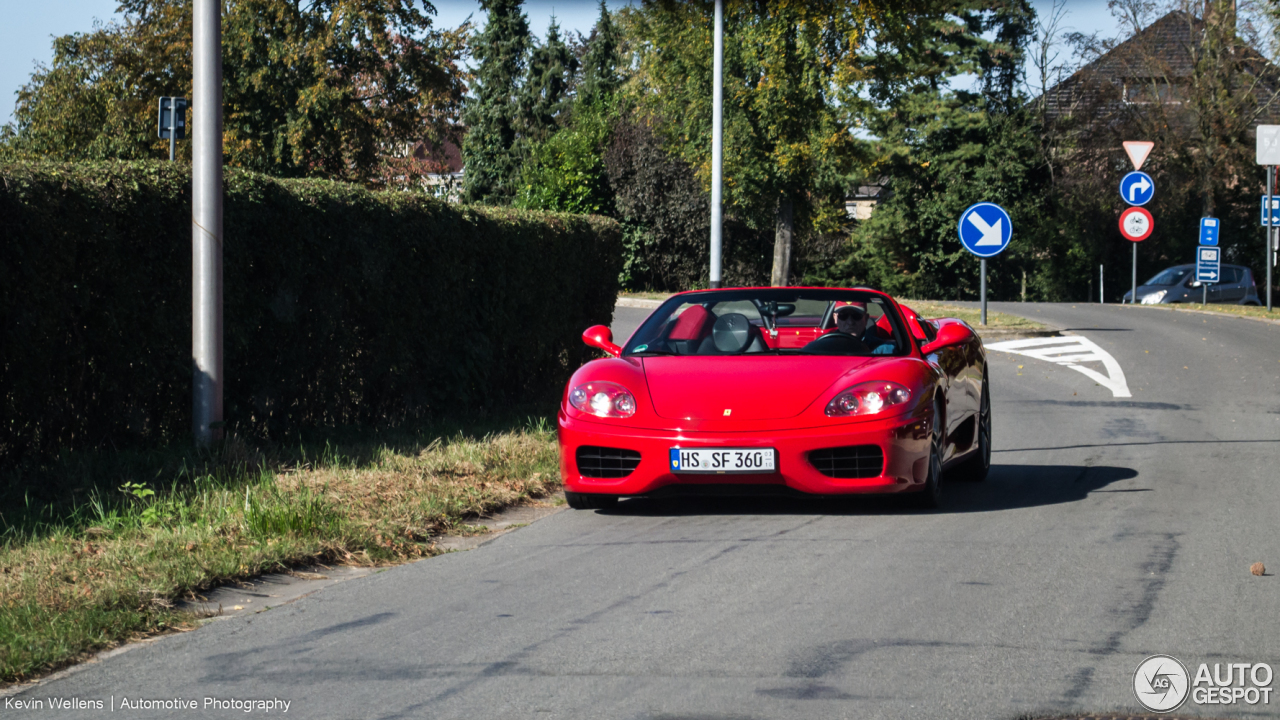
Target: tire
x,y
976,467
590,501
931,496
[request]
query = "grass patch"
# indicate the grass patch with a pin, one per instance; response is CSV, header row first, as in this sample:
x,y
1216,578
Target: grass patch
x,y
1252,311
645,295
100,560
973,316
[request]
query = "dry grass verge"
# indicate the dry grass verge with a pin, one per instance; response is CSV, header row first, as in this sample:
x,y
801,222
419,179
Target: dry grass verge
x,y
106,570
1247,311
973,316
926,308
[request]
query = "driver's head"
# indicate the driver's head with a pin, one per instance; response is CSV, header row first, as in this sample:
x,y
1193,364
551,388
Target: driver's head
x,y
852,318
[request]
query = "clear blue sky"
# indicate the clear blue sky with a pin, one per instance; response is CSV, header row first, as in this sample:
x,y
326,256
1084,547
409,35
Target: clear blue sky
x,y
26,33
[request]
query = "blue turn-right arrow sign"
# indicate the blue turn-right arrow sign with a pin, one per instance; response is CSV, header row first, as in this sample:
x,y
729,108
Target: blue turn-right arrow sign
x,y
1137,188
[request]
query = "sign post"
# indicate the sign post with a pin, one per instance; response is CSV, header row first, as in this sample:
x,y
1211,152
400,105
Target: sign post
x,y
1136,225
985,231
1137,188
1268,155
172,121
1208,241
1207,269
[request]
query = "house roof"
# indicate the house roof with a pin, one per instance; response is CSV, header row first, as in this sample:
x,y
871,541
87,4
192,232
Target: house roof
x,y
1161,54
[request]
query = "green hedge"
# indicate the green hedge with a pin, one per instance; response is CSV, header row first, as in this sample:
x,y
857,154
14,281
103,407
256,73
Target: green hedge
x,y
342,305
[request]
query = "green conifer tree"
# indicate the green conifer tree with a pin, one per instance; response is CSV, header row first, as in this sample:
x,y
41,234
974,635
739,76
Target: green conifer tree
x,y
546,90
490,151
600,66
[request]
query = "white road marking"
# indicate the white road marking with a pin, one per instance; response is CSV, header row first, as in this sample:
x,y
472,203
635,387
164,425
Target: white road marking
x,y
1067,351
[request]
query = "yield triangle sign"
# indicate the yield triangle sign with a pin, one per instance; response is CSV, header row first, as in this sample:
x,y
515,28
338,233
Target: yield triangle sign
x,y
1138,151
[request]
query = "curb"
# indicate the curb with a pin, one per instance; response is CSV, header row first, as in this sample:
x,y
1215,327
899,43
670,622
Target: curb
x,y
1175,309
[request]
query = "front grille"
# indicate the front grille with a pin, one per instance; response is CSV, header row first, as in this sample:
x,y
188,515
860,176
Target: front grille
x,y
853,461
603,462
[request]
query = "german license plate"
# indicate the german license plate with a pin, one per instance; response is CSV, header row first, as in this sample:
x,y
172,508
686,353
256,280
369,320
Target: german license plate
x,y
724,460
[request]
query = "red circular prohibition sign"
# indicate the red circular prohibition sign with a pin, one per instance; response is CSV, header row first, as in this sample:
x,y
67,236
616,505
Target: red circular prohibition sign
x,y
1136,224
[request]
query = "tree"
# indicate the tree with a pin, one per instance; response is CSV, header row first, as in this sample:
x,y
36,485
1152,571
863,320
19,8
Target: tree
x,y
940,150
1194,79
601,76
552,68
490,151
789,149
330,88
566,171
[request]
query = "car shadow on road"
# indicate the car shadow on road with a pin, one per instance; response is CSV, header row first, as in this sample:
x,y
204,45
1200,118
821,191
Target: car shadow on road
x,y
1007,487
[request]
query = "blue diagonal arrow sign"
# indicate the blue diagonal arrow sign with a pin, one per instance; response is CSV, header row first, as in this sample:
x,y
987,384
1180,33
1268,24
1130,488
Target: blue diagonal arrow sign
x,y
985,229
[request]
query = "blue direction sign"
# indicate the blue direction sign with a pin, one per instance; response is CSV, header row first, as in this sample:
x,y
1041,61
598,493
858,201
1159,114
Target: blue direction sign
x,y
1207,265
985,229
1137,188
1275,210
1209,231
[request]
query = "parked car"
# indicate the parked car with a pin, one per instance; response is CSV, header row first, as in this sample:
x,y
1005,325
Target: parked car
x,y
1178,285
782,391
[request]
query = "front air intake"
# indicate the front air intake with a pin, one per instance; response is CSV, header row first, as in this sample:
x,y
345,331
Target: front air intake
x,y
603,462
852,461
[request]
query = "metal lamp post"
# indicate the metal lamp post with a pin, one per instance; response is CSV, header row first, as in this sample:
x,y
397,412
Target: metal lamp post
x,y
717,116
206,222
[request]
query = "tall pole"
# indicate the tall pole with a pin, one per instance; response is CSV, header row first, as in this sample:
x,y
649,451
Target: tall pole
x,y
1102,279
717,138
1271,231
206,222
983,284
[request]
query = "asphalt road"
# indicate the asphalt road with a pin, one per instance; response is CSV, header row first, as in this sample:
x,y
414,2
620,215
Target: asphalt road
x,y
1109,530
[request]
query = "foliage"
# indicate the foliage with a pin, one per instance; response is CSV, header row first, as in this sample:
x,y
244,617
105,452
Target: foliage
x,y
565,173
665,217
787,68
492,149
546,89
940,150
603,61
1199,102
365,307
332,88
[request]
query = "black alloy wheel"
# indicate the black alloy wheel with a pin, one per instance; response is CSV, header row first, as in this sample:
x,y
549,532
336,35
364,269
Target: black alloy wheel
x,y
975,468
931,496
590,501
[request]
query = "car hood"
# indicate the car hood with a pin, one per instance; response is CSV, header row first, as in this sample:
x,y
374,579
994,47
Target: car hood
x,y
742,387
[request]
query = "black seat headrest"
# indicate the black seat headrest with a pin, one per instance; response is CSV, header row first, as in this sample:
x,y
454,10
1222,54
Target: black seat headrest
x,y
732,333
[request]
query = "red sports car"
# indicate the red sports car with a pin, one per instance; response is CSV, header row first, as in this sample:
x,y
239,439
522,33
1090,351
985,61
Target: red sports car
x,y
815,391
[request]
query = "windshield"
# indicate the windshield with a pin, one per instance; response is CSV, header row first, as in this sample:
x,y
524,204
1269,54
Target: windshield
x,y
1172,276
772,322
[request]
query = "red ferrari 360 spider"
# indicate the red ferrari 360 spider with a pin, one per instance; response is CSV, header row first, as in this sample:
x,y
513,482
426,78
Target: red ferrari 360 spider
x,y
815,391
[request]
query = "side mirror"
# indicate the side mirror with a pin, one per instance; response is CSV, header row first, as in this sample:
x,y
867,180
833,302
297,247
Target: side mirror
x,y
948,335
1195,284
600,336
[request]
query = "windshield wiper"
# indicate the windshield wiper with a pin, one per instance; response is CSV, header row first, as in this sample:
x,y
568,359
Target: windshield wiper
x,y
650,352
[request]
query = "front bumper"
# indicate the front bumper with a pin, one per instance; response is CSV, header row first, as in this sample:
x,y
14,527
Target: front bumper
x,y
904,441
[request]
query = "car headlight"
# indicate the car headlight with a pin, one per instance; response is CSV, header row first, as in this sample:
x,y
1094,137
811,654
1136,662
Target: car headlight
x,y
603,399
1154,298
867,398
